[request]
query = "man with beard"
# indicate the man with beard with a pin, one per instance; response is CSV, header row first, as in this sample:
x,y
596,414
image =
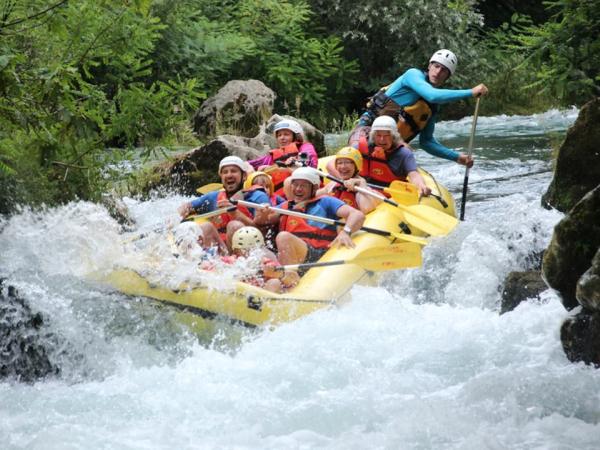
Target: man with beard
x,y
219,229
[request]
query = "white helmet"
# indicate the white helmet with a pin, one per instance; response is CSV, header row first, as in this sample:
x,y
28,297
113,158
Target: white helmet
x,y
247,238
384,123
446,58
288,124
306,173
233,161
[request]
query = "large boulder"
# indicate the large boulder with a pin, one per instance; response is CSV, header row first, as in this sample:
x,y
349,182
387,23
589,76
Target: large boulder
x,y
237,108
188,171
574,243
580,337
520,286
578,161
199,166
588,286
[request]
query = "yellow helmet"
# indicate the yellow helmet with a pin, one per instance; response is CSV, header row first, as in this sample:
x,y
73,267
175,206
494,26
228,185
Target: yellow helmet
x,y
250,181
352,154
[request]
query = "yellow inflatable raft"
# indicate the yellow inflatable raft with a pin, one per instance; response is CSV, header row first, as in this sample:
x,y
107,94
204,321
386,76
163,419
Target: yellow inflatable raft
x,y
319,287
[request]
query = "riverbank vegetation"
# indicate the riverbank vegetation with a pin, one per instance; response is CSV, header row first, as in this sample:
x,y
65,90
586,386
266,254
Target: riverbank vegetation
x,y
81,77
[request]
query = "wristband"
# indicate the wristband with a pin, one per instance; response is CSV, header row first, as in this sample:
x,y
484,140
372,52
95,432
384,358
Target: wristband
x,y
348,230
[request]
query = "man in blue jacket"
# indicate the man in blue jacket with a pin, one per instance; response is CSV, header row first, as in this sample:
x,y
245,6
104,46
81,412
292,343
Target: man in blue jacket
x,y
220,229
413,100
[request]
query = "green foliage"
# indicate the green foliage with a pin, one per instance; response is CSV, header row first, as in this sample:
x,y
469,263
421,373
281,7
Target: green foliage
x,y
389,37
80,77
196,46
502,66
309,74
74,80
565,51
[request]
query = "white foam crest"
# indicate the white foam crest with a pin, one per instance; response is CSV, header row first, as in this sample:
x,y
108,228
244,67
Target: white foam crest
x,y
74,239
509,125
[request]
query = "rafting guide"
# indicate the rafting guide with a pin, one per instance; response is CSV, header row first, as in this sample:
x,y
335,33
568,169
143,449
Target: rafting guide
x,y
413,100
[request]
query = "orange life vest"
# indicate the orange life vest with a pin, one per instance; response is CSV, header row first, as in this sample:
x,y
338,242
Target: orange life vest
x,y
314,236
281,155
221,221
375,167
345,195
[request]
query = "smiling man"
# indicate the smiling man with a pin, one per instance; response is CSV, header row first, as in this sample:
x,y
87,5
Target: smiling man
x,y
303,240
413,100
220,229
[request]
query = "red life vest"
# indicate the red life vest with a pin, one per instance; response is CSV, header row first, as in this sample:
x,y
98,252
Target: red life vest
x,y
221,221
375,166
281,155
313,235
345,195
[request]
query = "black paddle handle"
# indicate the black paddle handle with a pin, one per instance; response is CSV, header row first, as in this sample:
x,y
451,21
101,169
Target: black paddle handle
x,y
463,202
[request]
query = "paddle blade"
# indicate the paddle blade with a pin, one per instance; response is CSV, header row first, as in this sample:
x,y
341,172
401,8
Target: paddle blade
x,y
403,193
210,187
429,220
392,257
410,238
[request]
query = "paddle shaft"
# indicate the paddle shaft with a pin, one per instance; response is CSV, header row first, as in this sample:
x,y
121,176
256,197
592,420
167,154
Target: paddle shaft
x,y
463,202
317,218
359,189
216,212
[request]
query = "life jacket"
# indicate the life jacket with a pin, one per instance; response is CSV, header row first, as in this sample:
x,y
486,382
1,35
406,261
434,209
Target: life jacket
x,y
268,230
411,119
349,198
375,168
221,221
281,155
314,236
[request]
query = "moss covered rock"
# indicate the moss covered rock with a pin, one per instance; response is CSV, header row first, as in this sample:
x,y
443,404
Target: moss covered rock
x,y
574,243
578,161
588,286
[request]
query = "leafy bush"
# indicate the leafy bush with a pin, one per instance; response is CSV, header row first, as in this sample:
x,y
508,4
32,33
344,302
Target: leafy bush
x,y
563,52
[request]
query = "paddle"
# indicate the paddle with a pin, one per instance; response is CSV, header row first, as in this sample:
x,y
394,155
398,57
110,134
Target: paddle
x,y
392,257
463,202
400,236
216,212
210,187
423,217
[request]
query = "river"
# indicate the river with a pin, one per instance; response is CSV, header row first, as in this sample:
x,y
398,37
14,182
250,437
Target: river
x,y
422,361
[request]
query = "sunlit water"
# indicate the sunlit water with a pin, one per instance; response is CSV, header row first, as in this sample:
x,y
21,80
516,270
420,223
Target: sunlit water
x,y
423,361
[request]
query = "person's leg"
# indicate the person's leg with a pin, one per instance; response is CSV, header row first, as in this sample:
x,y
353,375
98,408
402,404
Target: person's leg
x,y
291,249
232,227
211,238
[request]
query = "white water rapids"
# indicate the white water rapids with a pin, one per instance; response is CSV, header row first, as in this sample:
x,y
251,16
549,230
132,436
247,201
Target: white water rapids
x,y
423,361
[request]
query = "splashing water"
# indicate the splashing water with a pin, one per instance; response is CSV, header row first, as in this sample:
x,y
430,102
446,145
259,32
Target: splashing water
x,y
423,361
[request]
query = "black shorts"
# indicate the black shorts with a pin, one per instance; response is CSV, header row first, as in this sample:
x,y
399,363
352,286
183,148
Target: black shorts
x,y
314,254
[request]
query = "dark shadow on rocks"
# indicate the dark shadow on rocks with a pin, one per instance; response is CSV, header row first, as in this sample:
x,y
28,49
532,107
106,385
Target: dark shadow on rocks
x,y
23,355
580,337
521,286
